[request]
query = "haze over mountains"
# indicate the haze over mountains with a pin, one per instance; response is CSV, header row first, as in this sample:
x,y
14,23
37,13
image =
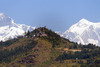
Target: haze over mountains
x,y
9,29
84,32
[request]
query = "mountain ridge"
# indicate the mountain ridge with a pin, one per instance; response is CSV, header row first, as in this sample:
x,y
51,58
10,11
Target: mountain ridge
x,y
35,49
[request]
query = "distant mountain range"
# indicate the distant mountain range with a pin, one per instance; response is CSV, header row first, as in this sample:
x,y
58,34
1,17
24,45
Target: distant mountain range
x,y
9,29
83,32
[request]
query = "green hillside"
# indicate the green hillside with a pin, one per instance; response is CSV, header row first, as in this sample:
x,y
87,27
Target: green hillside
x,y
44,48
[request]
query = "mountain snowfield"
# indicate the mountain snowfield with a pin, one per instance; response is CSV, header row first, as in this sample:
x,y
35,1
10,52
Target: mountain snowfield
x,y
9,29
84,32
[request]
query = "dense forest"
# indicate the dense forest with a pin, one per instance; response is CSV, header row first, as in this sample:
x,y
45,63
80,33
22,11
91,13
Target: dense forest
x,y
44,48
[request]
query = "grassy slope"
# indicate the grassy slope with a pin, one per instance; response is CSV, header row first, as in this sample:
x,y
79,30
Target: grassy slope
x,y
40,51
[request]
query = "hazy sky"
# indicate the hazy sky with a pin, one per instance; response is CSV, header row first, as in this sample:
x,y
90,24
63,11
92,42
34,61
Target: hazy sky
x,y
57,15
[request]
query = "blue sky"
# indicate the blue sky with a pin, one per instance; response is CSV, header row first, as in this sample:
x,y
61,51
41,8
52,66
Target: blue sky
x,y
57,15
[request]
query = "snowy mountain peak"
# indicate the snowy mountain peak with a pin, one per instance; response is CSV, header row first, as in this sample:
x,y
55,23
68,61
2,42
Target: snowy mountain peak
x,y
84,21
84,32
9,29
5,20
1,14
80,27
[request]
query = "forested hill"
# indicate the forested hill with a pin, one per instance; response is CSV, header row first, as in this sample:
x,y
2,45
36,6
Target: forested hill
x,y
44,48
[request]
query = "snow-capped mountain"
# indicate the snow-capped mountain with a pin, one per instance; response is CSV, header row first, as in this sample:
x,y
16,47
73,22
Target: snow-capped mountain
x,y
84,32
9,29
